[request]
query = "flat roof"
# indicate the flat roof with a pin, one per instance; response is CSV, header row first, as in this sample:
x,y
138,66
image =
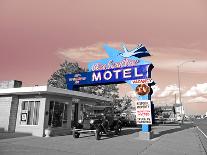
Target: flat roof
x,y
51,91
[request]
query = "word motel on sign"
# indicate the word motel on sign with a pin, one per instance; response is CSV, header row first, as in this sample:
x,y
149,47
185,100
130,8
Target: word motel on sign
x,y
116,74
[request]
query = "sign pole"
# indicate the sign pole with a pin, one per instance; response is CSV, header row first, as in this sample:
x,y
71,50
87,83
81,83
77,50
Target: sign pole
x,y
145,113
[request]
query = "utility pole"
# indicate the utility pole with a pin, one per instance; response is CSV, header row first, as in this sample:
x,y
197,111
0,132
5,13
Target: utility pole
x,y
179,85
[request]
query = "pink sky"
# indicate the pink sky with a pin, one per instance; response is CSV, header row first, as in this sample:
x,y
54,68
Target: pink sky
x,y
36,36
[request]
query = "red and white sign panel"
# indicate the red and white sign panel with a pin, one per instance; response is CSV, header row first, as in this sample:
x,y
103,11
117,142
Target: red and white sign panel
x,y
144,115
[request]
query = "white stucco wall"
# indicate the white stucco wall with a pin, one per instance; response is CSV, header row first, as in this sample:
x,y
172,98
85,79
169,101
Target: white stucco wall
x,y
5,106
35,130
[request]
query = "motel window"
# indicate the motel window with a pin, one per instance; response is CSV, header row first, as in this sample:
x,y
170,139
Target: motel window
x,y
57,114
30,112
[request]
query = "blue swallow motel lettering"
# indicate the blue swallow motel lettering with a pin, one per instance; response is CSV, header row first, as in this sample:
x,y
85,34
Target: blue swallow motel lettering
x,y
116,74
108,76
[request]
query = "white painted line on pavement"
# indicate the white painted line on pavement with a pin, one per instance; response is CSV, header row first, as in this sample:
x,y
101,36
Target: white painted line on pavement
x,y
201,132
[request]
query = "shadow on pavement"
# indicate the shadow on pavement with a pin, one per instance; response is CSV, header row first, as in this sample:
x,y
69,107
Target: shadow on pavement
x,y
125,131
166,124
128,131
182,127
7,135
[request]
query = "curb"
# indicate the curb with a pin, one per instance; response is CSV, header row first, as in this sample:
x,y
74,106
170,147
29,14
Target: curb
x,y
200,141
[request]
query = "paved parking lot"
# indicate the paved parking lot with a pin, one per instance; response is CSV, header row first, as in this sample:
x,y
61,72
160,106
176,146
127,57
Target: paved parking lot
x,y
85,145
168,141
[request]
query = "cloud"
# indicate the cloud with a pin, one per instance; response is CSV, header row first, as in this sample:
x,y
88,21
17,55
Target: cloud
x,y
198,100
84,54
156,89
168,58
171,56
169,91
198,90
91,52
197,94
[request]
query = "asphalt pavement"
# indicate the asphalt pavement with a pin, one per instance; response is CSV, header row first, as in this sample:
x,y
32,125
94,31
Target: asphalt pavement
x,y
201,125
168,140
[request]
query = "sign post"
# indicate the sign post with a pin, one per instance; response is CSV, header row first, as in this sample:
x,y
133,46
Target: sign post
x,y
122,67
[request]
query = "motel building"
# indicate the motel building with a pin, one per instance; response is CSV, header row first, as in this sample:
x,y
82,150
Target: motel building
x,y
31,110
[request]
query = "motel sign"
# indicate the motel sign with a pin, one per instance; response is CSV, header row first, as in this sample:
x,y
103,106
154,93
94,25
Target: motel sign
x,y
121,67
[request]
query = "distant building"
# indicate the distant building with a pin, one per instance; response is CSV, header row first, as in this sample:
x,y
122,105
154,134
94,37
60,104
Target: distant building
x,y
179,109
10,84
165,112
180,113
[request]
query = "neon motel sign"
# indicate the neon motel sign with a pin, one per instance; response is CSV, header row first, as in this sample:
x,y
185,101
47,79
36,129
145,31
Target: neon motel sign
x,y
107,76
120,67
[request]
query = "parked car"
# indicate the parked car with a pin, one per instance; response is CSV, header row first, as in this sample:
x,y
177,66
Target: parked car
x,y
159,119
100,124
126,122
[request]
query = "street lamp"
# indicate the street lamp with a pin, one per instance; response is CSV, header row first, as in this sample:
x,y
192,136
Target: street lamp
x,y
178,67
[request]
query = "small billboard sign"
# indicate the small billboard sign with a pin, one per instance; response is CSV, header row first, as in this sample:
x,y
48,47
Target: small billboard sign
x,y
143,109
